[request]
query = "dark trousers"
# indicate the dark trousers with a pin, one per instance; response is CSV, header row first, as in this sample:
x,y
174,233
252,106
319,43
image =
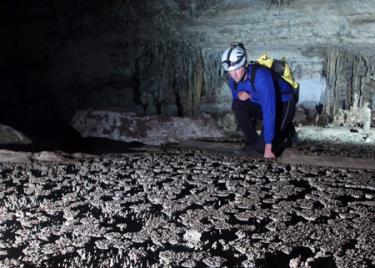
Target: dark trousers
x,y
247,114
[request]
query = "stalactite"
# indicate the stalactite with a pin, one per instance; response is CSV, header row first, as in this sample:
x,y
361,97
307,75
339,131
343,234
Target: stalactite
x,y
173,73
348,73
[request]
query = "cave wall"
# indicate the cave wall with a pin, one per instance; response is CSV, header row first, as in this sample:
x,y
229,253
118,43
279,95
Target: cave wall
x,y
348,74
163,57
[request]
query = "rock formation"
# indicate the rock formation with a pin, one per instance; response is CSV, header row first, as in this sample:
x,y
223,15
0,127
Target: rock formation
x,y
151,130
183,208
163,57
354,117
350,80
9,135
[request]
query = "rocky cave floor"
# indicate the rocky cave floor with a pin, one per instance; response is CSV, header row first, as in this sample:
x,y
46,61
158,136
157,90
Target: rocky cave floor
x,y
181,207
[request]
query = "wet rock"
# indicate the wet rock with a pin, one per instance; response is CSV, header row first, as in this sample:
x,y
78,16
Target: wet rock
x,y
214,261
189,264
192,236
12,156
204,209
295,263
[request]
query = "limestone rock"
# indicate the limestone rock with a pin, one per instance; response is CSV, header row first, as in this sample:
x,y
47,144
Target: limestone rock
x,y
163,57
151,130
12,156
336,135
101,211
9,135
350,83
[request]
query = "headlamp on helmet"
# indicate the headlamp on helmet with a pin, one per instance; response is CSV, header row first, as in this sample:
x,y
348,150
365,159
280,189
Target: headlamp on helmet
x,y
234,57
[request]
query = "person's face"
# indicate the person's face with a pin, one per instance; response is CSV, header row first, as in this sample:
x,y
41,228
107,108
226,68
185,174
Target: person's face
x,y
237,74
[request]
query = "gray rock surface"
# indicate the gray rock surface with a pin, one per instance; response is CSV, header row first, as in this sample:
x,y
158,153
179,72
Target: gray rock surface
x,y
9,135
184,208
163,57
152,130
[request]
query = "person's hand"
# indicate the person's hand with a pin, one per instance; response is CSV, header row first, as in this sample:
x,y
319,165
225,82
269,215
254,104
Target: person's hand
x,y
243,95
268,154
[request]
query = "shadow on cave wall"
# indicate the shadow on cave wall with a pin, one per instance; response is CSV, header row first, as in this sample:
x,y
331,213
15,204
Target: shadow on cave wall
x,y
59,57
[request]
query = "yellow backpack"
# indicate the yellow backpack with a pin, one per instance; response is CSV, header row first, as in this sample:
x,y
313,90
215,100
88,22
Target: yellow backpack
x,y
280,67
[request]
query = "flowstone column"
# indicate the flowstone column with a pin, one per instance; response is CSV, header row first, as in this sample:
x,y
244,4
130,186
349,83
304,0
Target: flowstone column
x,y
366,113
350,82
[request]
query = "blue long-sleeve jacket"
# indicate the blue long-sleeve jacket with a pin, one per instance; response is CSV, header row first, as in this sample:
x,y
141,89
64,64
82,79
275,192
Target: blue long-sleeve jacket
x,y
265,95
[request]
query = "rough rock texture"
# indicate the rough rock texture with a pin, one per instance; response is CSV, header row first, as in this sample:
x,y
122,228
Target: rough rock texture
x,y
350,80
152,130
171,79
9,135
184,209
336,135
163,57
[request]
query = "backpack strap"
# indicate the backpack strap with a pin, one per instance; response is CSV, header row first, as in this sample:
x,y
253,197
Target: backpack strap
x,y
254,68
252,76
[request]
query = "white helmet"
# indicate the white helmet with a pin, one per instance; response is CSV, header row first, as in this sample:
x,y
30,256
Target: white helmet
x,y
234,57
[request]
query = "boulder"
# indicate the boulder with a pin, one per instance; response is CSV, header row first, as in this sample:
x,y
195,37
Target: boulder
x,y
9,135
151,130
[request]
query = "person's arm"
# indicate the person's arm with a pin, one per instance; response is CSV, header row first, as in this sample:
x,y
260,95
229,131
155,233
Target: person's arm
x,y
268,151
243,95
243,91
264,82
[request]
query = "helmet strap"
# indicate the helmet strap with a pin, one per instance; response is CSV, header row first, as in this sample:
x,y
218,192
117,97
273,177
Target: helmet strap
x,y
244,74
